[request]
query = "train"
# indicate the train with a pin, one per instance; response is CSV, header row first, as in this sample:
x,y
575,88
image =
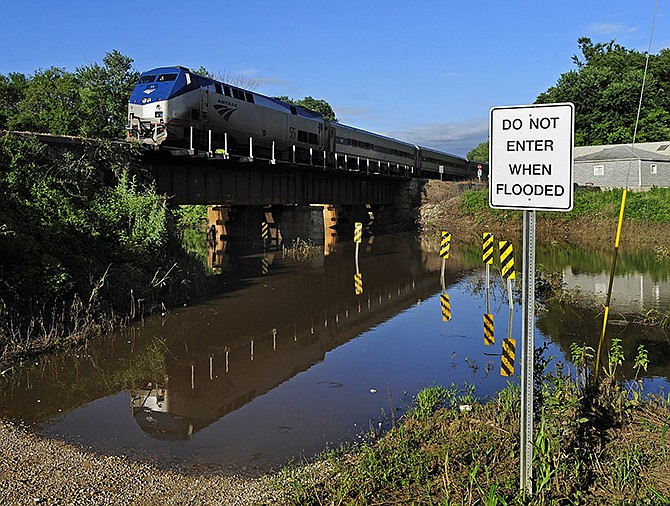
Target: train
x,y
175,108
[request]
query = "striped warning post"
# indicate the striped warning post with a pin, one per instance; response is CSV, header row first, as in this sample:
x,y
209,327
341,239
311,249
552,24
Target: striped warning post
x,y
507,260
445,245
487,248
488,329
358,283
507,358
446,307
358,232
265,230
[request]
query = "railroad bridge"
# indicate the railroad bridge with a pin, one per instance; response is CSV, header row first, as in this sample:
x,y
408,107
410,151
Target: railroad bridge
x,y
202,179
309,198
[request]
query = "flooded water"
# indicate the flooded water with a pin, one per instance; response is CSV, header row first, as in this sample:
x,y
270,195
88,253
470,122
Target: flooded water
x,y
289,360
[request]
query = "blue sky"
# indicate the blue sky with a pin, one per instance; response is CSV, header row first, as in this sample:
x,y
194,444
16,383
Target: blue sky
x,y
422,71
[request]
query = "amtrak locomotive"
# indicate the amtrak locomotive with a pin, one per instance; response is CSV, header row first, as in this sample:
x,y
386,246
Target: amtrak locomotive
x,y
176,108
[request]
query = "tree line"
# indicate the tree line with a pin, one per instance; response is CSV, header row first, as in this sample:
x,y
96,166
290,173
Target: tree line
x,y
92,101
605,87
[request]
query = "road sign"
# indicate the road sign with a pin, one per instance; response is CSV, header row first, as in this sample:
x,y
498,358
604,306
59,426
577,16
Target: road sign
x,y
530,169
530,157
445,244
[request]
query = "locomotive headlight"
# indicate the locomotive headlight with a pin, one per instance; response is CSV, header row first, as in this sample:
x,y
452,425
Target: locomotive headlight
x,y
159,114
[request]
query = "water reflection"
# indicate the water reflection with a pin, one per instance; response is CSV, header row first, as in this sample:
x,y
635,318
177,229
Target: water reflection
x,y
186,371
224,354
150,407
633,292
290,359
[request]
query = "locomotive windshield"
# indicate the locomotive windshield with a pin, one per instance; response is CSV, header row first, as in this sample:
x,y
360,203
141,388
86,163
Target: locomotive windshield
x,y
167,77
147,79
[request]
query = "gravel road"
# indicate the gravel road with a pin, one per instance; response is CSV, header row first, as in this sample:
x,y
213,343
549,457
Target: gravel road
x,y
35,470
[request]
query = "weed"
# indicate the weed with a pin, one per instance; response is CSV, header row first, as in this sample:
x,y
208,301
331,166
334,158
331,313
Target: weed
x,y
544,466
428,400
641,360
615,357
299,249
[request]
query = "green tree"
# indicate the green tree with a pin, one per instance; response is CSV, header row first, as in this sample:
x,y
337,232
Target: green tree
x,y
480,153
605,89
12,90
313,104
104,92
50,104
91,102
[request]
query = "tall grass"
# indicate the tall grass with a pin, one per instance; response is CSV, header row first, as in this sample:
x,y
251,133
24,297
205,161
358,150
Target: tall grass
x,y
651,206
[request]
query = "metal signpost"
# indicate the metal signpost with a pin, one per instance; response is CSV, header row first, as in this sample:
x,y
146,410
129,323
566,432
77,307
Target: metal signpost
x,y
530,169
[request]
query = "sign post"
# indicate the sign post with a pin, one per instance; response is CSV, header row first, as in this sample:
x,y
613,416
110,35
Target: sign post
x,y
530,169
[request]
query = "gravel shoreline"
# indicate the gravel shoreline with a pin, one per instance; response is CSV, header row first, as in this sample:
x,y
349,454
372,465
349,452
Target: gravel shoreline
x,y
36,470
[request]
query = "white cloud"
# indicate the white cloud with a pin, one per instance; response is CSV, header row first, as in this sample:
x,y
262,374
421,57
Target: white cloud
x,y
603,28
270,81
354,115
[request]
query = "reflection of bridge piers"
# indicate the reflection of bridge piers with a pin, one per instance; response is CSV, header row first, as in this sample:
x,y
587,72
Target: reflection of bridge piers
x,y
271,226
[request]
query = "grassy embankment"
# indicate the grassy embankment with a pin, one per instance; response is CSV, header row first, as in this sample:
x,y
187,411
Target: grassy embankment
x,y
83,247
592,221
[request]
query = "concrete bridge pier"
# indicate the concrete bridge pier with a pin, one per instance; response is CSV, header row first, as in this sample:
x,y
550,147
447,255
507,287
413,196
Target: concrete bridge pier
x,y
217,236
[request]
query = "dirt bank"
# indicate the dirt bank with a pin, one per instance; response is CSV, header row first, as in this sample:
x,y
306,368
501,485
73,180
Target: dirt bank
x,y
35,470
441,210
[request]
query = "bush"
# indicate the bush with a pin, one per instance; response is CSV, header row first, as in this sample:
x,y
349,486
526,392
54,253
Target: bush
x,y
80,244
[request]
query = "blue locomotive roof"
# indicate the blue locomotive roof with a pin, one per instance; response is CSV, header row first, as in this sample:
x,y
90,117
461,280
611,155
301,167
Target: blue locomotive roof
x,y
163,83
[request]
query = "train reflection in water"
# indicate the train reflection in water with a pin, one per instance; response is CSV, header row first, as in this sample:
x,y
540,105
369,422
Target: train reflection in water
x,y
150,407
221,355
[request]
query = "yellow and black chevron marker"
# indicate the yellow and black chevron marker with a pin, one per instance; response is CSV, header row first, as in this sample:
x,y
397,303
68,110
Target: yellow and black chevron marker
x,y
446,307
445,245
265,230
358,283
507,359
507,260
487,254
358,232
488,329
